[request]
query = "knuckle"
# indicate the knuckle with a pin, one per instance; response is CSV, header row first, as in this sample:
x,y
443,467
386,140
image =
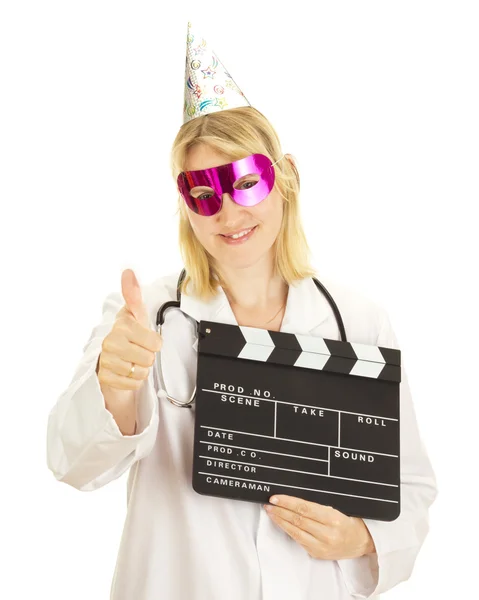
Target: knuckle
x,y
298,520
302,509
335,522
297,535
106,344
104,361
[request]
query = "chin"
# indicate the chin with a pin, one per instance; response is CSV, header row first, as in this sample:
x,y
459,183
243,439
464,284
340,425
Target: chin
x,y
235,262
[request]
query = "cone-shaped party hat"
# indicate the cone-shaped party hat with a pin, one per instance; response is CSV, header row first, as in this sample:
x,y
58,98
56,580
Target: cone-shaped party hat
x,y
208,86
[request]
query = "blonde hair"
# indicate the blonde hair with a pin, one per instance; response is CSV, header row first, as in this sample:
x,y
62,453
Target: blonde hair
x,y
239,132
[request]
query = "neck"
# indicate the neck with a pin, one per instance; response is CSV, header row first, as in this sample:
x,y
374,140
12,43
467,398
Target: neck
x,y
255,287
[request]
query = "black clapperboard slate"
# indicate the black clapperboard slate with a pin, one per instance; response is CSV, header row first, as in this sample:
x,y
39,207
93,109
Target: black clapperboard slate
x,y
298,415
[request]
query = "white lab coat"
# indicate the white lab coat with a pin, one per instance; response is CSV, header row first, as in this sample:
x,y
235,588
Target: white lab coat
x,y
180,545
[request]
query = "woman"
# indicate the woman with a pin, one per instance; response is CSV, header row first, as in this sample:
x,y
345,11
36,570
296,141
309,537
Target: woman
x,y
114,417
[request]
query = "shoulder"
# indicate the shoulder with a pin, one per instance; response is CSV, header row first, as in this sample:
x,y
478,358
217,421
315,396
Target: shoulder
x,y
365,319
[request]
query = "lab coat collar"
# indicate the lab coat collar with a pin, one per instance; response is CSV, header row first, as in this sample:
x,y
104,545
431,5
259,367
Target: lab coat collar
x,y
306,308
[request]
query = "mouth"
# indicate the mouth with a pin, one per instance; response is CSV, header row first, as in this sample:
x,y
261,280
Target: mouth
x,y
240,237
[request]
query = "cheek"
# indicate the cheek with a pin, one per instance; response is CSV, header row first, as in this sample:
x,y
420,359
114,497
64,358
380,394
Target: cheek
x,y
200,225
271,211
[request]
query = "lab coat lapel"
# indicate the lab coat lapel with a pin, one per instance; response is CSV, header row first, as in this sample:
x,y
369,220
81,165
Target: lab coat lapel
x,y
306,308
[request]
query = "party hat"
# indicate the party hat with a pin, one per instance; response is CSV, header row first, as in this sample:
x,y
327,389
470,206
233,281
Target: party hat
x,y
208,86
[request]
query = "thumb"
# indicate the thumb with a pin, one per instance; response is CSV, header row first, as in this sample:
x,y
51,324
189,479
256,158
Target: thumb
x,y
131,292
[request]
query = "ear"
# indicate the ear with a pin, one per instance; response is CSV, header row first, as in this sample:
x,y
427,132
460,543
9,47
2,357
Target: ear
x,y
291,160
293,164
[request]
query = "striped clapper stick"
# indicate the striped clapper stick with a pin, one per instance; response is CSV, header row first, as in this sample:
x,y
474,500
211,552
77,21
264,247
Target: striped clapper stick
x,y
298,415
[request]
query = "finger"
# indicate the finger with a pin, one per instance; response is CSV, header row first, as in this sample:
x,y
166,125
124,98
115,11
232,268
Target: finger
x,y
298,535
118,366
119,381
137,334
318,512
131,291
315,528
128,351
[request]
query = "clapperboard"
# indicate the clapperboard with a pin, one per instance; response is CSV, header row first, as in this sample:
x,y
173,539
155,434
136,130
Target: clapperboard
x,y
298,415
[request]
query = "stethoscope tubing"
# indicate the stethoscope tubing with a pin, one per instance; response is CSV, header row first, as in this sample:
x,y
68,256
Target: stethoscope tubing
x,y
160,320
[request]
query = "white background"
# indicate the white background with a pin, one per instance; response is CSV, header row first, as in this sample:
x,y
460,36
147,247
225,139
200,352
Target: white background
x,y
378,102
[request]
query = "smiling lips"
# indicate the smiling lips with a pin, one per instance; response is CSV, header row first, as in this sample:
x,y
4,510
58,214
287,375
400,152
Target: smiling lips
x,y
242,235
237,234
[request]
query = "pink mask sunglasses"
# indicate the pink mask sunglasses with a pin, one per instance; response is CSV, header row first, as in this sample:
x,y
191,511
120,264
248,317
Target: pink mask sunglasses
x,y
248,181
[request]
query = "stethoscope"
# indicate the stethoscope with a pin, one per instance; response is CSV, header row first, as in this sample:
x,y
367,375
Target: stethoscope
x,y
160,320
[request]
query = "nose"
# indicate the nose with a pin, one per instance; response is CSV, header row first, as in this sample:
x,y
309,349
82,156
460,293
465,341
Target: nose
x,y
230,212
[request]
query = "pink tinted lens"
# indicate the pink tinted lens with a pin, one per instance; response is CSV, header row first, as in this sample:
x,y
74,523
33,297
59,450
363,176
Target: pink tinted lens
x,y
221,181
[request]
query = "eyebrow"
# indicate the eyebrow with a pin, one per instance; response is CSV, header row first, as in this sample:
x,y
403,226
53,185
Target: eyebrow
x,y
217,166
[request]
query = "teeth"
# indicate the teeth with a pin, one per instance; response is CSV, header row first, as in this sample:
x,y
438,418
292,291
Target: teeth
x,y
238,235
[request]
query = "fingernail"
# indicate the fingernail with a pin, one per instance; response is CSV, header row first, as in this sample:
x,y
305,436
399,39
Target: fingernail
x,y
274,500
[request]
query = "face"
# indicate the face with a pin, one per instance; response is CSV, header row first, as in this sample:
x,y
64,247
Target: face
x,y
214,231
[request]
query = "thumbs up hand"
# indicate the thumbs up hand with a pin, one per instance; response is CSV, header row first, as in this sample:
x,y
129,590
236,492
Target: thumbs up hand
x,y
131,342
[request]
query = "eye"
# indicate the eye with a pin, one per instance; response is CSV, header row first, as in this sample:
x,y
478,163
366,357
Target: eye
x,y
247,182
202,193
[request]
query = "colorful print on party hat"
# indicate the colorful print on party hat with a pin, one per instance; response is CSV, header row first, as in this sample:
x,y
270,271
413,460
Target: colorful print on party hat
x,y
208,86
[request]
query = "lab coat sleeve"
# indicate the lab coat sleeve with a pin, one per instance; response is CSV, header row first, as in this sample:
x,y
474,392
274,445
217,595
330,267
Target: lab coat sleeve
x,y
85,447
397,542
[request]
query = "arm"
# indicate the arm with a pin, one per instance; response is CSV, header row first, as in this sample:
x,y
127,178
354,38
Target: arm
x,y
85,447
397,543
